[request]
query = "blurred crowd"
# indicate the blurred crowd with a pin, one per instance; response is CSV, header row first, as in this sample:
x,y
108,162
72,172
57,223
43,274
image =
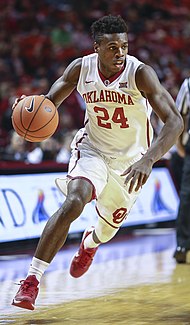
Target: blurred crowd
x,y
39,38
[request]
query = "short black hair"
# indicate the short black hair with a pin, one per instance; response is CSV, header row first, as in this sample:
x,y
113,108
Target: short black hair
x,y
108,25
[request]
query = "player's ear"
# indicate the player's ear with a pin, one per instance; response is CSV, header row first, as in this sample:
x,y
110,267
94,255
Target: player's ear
x,y
96,47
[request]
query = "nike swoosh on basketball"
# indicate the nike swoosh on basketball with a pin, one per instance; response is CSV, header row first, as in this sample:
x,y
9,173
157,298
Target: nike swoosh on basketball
x,y
31,107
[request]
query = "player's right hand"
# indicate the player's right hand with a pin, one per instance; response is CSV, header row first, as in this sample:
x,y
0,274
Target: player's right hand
x,y
17,100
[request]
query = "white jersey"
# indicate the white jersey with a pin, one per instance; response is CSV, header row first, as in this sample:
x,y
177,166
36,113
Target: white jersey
x,y
117,132
117,120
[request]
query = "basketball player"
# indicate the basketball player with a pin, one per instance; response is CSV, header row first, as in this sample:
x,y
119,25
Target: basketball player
x,y
112,156
182,252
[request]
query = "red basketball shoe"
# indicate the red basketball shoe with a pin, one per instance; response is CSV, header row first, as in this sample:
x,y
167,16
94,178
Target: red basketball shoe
x,y
83,258
27,293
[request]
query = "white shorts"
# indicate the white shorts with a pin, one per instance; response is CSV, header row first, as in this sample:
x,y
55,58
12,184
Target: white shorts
x,y
113,202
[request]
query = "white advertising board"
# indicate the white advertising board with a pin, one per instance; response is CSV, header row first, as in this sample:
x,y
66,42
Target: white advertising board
x,y
28,200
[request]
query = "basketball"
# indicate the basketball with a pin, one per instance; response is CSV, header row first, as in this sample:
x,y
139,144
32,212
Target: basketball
x,y
35,118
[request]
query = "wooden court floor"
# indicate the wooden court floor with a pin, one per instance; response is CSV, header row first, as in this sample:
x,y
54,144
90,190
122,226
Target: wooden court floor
x,y
133,280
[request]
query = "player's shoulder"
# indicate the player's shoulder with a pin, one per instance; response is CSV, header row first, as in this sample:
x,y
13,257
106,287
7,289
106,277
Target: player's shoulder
x,y
74,69
76,63
72,72
134,59
186,83
133,63
82,61
89,62
90,58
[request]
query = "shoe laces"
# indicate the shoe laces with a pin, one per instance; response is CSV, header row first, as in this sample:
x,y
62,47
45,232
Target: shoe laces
x,y
28,288
86,257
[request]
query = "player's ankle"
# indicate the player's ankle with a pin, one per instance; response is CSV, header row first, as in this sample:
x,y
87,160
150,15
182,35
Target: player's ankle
x,y
37,268
38,276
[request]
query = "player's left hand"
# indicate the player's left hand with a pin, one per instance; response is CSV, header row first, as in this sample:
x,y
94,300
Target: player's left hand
x,y
137,174
17,100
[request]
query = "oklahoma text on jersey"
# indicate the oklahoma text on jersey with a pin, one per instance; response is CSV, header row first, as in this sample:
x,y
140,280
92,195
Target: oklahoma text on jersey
x,y
107,96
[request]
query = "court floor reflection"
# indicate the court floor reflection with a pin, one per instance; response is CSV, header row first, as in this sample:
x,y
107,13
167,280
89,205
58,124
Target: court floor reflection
x,y
127,261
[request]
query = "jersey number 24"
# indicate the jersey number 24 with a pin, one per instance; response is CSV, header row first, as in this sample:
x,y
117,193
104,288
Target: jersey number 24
x,y
104,118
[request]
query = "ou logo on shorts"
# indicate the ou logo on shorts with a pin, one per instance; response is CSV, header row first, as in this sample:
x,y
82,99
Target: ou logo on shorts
x,y
119,215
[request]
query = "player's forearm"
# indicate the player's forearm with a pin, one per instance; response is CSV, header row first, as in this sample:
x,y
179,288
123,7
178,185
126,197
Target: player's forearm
x,y
59,91
64,86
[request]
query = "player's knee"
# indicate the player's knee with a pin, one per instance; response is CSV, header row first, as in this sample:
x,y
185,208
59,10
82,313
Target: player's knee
x,y
75,204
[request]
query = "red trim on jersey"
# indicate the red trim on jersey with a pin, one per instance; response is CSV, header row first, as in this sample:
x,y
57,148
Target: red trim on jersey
x,y
89,181
82,177
80,140
106,220
78,157
112,78
78,151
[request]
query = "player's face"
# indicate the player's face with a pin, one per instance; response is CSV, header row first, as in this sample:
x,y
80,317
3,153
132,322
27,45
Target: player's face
x,y
112,51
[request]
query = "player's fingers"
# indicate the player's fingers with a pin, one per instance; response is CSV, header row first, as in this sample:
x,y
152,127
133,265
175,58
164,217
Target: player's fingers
x,y
139,182
132,184
126,171
17,100
144,179
129,177
15,103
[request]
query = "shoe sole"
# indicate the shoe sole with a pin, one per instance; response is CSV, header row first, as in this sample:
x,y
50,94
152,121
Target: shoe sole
x,y
23,304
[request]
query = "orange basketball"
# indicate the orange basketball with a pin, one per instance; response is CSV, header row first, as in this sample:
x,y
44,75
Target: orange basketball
x,y
35,118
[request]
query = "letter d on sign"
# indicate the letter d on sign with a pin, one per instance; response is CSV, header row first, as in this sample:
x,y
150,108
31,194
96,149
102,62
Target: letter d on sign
x,y
9,199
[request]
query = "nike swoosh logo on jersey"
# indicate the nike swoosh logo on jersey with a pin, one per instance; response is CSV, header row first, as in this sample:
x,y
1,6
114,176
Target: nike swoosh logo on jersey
x,y
31,107
88,82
